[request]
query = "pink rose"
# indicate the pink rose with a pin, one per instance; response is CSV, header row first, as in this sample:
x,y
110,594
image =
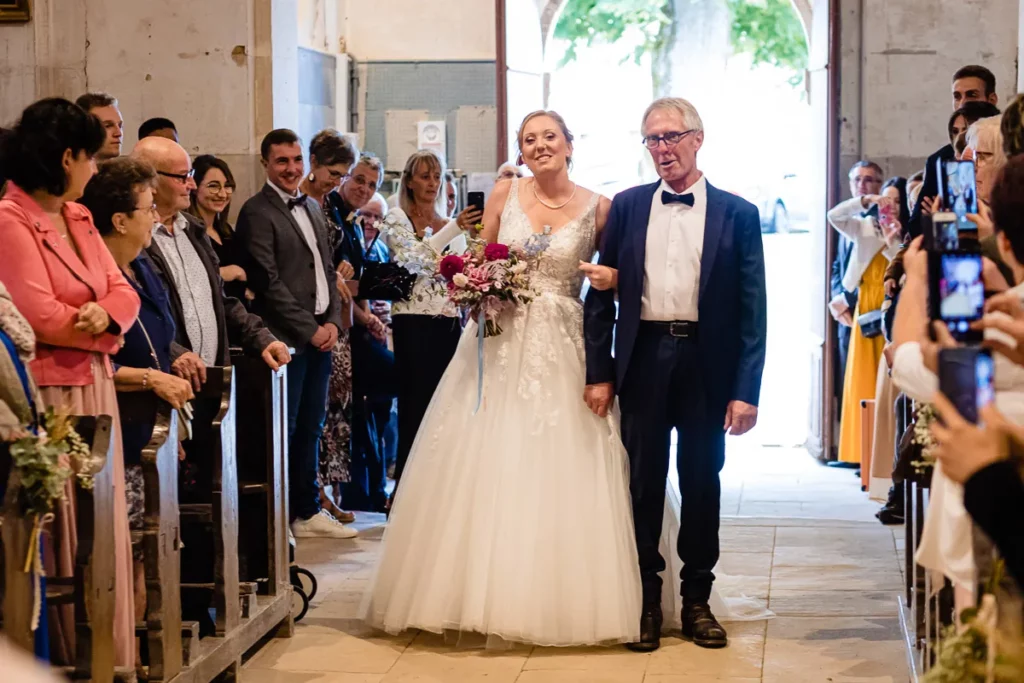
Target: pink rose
x,y
496,252
450,266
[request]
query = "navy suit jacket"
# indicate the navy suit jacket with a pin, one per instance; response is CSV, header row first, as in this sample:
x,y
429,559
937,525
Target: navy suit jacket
x,y
732,299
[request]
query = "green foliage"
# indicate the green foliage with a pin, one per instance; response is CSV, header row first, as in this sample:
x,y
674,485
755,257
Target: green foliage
x,y
584,22
771,32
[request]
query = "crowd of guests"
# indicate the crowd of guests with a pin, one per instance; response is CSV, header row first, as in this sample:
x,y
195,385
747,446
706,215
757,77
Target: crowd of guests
x,y
889,345
122,273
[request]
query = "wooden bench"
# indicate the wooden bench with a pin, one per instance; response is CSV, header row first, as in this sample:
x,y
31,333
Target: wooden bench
x,y
92,588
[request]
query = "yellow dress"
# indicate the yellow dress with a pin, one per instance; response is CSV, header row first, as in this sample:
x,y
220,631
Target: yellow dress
x,y
862,361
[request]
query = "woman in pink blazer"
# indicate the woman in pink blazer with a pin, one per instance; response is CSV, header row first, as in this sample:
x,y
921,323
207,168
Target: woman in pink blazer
x,y
63,279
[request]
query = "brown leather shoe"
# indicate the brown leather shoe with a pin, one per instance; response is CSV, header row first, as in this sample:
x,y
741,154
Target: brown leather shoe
x,y
700,626
343,516
650,631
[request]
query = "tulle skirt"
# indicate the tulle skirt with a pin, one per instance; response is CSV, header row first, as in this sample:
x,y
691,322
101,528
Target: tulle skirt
x,y
514,522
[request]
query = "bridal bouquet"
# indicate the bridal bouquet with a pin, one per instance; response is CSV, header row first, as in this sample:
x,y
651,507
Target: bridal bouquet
x,y
490,279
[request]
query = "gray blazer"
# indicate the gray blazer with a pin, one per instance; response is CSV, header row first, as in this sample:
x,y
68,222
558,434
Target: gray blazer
x,y
235,325
280,267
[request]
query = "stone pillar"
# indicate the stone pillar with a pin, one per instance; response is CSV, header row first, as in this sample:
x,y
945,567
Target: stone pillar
x,y
225,75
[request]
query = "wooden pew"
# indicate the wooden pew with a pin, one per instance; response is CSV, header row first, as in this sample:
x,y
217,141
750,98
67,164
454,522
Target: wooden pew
x,y
92,588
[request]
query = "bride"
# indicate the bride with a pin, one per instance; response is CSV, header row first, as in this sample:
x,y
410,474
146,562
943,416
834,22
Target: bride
x,y
516,522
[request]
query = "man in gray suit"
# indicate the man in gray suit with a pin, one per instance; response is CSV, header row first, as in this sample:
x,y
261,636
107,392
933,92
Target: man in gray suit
x,y
290,270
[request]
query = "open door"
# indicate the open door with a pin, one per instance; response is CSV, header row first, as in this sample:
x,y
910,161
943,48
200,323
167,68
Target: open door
x,y
824,100
520,44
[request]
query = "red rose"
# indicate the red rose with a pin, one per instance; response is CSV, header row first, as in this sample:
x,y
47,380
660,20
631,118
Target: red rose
x,y
496,252
450,266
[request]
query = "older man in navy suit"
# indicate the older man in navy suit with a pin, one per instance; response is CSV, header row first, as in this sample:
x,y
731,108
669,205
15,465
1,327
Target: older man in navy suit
x,y
686,352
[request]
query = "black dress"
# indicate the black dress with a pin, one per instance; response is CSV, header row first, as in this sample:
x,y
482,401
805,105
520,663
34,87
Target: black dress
x,y
229,254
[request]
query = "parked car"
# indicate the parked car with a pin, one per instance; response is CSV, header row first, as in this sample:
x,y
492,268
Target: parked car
x,y
783,204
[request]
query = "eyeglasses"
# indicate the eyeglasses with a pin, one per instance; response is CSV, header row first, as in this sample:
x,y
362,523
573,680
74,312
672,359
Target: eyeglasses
x,y
671,139
217,188
183,177
371,218
151,208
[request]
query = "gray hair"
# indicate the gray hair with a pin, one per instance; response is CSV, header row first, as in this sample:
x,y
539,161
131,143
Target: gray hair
x,y
991,131
373,162
691,119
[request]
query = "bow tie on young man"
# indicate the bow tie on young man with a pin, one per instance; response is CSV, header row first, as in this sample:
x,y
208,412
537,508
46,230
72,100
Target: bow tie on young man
x,y
669,198
298,201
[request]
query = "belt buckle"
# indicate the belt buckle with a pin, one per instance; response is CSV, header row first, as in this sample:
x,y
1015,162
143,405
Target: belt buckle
x,y
678,329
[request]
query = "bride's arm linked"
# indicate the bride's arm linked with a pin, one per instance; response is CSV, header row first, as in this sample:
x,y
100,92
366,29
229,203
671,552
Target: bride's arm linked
x,y
601,277
599,317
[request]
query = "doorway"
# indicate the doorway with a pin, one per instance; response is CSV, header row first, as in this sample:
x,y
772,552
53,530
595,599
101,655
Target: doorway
x,y
759,73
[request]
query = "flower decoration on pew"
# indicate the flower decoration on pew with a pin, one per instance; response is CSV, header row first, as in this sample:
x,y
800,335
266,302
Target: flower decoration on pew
x,y
43,460
925,416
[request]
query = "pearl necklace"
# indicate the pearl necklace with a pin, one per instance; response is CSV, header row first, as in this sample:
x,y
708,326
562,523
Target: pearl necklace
x,y
533,186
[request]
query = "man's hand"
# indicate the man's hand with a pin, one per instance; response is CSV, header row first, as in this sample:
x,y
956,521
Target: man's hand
x,y
598,397
276,354
191,367
964,448
740,418
345,271
325,337
92,319
601,277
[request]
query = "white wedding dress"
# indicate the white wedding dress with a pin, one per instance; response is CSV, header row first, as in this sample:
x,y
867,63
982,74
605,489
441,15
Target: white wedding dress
x,y
516,522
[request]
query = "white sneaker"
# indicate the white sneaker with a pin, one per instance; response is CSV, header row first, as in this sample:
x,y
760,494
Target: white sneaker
x,y
322,525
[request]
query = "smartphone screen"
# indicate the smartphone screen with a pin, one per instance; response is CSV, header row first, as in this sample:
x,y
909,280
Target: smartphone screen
x,y
959,189
957,292
945,231
476,200
966,378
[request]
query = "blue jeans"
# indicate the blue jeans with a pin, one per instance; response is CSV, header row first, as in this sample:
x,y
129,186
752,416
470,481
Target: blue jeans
x,y
308,376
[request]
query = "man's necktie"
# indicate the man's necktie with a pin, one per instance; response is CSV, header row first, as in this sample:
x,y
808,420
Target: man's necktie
x,y
669,198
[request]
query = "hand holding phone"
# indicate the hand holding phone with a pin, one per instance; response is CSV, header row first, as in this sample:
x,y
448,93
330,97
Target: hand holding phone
x,y
956,292
967,379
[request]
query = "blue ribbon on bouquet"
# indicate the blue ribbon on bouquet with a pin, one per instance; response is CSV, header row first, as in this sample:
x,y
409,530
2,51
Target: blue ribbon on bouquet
x,y
481,322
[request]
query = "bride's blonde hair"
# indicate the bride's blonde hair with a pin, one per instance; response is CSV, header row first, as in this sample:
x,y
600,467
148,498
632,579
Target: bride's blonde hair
x,y
554,116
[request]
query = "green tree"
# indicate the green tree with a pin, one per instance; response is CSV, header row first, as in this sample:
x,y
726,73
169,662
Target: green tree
x,y
769,30
584,22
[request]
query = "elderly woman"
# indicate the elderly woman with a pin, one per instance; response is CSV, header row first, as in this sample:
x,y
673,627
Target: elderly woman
x,y
331,156
427,327
67,285
120,198
508,171
985,146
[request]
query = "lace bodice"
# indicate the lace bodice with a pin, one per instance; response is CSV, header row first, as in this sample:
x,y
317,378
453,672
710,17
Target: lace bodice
x,y
558,270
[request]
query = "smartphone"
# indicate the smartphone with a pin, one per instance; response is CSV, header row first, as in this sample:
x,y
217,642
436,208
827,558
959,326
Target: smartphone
x,y
475,200
956,292
966,378
959,188
945,232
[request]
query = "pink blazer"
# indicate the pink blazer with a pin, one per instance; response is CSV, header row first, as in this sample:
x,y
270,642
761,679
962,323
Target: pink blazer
x,y
49,283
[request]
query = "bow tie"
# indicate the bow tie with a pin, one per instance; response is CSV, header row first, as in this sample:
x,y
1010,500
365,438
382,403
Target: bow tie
x,y
298,201
669,198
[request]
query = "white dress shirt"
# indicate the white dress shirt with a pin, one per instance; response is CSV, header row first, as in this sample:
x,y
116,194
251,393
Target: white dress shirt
x,y
301,215
675,243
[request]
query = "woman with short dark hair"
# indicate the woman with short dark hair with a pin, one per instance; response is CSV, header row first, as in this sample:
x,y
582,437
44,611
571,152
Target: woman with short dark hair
x,y
66,284
120,197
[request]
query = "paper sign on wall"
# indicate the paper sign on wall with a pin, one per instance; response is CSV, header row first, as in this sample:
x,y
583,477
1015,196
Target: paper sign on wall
x,y
431,135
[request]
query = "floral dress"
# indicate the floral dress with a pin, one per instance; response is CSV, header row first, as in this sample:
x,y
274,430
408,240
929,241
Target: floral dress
x,y
336,439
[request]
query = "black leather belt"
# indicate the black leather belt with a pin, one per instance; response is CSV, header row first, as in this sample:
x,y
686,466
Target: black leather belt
x,y
681,329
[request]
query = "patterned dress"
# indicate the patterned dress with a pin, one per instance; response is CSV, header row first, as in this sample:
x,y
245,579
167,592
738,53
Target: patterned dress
x,y
336,439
